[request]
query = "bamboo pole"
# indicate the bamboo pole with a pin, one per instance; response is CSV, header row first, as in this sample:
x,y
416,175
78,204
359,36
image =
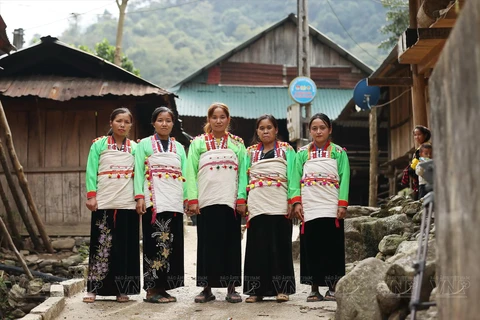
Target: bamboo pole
x,y
10,220
4,229
23,181
16,197
372,194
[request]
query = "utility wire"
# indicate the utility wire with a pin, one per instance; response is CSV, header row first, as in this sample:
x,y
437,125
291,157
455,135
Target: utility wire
x,y
345,29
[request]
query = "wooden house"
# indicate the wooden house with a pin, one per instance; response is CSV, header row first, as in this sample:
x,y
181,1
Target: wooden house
x,y
404,75
253,79
57,100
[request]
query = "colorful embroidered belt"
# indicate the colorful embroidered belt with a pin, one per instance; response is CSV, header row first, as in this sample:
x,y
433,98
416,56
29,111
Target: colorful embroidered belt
x,y
265,181
118,173
227,164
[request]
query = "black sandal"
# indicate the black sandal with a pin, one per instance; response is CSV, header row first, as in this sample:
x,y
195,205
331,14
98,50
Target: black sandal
x,y
233,297
329,296
314,297
202,297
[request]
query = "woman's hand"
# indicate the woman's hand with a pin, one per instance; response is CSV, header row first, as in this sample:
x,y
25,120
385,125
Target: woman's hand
x,y
141,209
289,211
341,212
193,209
92,204
298,211
242,209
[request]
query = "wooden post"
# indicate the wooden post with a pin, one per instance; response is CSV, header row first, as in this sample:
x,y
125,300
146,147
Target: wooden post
x,y
10,220
122,7
372,194
16,197
303,62
4,230
419,106
23,181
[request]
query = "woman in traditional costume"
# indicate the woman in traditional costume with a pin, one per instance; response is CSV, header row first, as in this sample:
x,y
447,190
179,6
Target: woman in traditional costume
x,y
320,200
160,194
114,267
268,259
216,182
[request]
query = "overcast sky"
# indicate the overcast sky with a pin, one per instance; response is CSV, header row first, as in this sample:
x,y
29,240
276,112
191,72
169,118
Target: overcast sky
x,y
49,17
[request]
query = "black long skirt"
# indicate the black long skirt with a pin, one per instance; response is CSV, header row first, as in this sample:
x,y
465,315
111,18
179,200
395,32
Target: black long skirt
x,y
114,261
322,253
268,257
163,265
219,247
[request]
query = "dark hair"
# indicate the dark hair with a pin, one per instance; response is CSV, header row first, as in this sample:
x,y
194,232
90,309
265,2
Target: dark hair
x,y
269,117
207,128
115,113
159,110
425,131
322,117
425,146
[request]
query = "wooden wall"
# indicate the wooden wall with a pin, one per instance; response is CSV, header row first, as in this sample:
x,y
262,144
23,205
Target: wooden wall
x,y
278,47
401,123
52,140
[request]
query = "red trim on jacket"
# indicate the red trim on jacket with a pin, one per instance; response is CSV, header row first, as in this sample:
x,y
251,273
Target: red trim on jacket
x,y
342,203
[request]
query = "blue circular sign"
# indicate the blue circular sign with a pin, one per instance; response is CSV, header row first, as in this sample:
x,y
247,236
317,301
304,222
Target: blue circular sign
x,y
365,96
302,90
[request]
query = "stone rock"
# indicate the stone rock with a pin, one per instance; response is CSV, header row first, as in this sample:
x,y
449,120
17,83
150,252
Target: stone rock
x,y
23,282
356,292
417,218
75,250
380,256
16,296
373,231
62,244
390,243
9,263
359,211
46,287
47,262
17,313
400,314
399,275
382,213
387,300
349,266
79,271
31,259
71,261
412,208
25,252
47,269
28,307
35,286
354,239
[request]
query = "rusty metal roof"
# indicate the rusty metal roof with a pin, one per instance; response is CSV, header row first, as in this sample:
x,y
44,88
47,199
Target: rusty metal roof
x,y
65,88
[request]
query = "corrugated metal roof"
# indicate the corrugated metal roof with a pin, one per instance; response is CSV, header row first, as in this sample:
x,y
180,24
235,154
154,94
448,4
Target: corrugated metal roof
x,y
66,88
251,102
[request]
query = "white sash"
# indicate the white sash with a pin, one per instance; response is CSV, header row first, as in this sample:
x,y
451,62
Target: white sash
x,y
320,188
114,181
218,178
165,192
268,188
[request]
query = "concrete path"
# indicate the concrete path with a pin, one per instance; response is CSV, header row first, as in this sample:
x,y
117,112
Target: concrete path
x,y
185,308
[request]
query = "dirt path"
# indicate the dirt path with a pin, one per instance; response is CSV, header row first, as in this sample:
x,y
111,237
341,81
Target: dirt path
x,y
185,308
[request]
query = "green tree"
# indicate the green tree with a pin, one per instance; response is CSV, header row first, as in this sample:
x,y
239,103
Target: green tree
x,y
397,16
106,51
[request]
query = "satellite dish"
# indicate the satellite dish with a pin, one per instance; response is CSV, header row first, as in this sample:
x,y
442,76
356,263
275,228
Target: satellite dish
x,y
365,96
